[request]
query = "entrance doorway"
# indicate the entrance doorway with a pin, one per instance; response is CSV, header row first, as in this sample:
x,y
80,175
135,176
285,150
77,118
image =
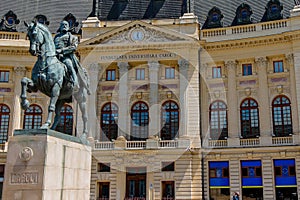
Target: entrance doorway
x,y
136,183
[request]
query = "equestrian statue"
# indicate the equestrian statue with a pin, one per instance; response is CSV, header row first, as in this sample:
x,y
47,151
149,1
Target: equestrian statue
x,y
57,72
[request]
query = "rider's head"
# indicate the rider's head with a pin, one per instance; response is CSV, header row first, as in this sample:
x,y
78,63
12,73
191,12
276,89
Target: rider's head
x,y
64,26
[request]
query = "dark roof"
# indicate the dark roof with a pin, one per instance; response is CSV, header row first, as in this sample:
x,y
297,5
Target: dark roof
x,y
56,10
228,8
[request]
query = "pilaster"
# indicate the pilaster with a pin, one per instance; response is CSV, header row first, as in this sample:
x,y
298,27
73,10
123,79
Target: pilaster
x,y
232,103
16,113
293,89
93,70
183,92
123,99
154,126
263,93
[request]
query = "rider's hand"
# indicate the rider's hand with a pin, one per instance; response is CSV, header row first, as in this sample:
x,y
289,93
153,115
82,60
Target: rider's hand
x,y
58,51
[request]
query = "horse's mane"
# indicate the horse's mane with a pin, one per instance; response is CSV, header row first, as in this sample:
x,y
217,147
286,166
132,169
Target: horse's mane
x,y
44,29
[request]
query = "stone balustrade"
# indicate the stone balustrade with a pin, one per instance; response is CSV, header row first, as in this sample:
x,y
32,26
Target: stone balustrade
x,y
245,31
148,144
252,142
12,35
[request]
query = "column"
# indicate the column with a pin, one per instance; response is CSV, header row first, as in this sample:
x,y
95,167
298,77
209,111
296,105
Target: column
x,y
154,125
16,111
232,103
183,92
93,124
123,99
263,94
295,111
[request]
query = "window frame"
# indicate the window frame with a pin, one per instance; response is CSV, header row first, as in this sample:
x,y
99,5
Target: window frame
x,y
100,185
4,122
252,117
34,124
224,169
168,166
111,74
216,72
103,167
111,111
163,190
140,74
66,114
5,75
170,130
279,68
221,132
139,111
245,69
170,73
255,171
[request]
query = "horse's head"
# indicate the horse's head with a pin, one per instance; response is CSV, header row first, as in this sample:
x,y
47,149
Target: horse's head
x,y
35,36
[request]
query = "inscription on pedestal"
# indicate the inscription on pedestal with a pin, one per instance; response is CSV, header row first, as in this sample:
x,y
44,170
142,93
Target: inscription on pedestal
x,y
24,178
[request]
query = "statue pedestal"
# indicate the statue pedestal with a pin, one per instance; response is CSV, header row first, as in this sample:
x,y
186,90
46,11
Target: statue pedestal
x,y
45,165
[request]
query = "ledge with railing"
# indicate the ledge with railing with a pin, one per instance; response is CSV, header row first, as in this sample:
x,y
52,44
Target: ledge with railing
x,y
237,32
12,35
252,142
146,144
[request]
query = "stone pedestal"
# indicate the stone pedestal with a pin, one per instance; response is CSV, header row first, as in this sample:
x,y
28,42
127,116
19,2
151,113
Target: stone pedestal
x,y
45,165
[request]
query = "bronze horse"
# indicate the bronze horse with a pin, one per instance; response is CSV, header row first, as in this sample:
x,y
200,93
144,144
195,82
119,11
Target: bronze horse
x,y
50,76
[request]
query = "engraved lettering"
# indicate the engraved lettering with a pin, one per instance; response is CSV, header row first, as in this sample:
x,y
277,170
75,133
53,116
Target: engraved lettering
x,y
24,178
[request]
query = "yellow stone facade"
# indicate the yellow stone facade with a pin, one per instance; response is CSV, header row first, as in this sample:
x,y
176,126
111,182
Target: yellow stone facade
x,y
154,46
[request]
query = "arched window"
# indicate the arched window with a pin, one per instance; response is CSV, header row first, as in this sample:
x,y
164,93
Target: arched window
x,y
170,120
4,122
109,125
139,121
249,118
66,120
33,117
218,120
282,117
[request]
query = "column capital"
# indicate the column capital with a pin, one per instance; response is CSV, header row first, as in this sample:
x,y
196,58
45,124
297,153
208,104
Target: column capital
x,y
153,65
93,67
261,61
290,58
230,64
183,64
123,67
20,70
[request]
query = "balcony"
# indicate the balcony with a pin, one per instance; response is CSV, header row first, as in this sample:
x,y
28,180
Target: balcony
x,y
140,145
252,142
246,31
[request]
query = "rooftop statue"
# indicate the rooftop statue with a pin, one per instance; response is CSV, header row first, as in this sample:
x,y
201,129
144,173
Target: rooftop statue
x,y
56,73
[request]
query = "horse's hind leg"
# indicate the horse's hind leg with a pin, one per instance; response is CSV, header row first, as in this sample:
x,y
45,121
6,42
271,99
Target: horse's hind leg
x,y
51,108
59,105
81,99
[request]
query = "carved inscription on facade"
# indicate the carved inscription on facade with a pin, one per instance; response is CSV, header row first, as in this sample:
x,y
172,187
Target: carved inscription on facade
x,y
24,178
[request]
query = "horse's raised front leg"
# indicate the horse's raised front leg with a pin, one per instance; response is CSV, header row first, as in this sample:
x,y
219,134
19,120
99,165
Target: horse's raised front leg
x,y
26,85
59,105
51,108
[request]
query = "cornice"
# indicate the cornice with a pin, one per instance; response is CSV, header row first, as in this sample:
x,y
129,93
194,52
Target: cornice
x,y
251,42
14,51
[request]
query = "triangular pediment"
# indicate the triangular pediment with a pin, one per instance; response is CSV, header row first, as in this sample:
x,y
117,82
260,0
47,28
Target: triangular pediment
x,y
137,32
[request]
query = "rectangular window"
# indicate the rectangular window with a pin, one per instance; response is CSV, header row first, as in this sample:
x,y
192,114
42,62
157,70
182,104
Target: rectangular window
x,y
111,75
4,76
216,72
170,73
103,167
278,66
103,188
168,190
247,69
140,74
168,166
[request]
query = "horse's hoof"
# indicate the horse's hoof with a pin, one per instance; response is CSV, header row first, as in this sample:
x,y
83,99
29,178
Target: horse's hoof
x,y
45,126
25,104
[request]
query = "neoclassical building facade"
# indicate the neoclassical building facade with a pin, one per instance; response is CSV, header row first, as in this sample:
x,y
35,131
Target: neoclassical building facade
x,y
178,109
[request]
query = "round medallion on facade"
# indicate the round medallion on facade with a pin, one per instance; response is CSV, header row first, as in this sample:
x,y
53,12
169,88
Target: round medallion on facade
x,y
26,154
137,35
